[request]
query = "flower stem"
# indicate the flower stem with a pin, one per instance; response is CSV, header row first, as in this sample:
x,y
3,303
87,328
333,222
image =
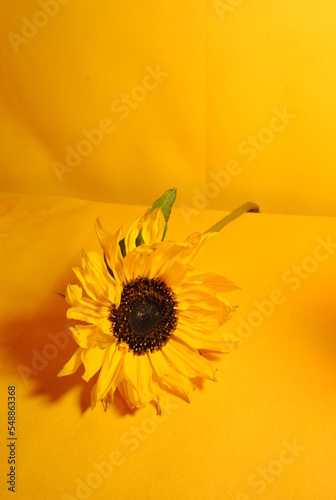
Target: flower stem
x,y
247,207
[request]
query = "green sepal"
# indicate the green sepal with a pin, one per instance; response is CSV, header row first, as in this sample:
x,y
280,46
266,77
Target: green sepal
x,y
164,203
139,241
122,247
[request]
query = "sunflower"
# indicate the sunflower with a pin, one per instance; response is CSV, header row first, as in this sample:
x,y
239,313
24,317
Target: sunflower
x,y
147,319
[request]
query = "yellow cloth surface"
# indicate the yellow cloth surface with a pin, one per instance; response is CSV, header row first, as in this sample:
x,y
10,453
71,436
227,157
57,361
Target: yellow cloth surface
x,y
227,99
266,429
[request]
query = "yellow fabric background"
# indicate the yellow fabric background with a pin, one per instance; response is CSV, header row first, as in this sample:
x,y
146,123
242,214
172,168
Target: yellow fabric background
x,y
227,64
276,390
201,82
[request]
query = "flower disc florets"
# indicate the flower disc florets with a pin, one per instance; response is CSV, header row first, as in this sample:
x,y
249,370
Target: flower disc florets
x,y
146,315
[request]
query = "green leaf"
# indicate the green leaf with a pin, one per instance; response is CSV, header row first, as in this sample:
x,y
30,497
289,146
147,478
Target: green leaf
x,y
139,241
164,203
122,247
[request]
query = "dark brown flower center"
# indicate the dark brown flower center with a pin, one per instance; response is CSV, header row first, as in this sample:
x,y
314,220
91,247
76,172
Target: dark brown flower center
x,y
146,316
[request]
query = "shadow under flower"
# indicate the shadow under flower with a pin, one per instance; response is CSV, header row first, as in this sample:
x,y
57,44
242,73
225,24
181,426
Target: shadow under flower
x,y
37,348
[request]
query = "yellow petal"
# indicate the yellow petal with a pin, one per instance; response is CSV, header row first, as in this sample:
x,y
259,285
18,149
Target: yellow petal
x,y
139,373
85,309
103,336
178,385
73,294
111,372
169,379
133,232
135,264
174,274
92,359
131,368
84,280
198,321
83,334
210,342
206,282
94,396
129,394
197,241
111,249
166,254
152,230
94,277
72,365
222,313
188,361
147,386
88,313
